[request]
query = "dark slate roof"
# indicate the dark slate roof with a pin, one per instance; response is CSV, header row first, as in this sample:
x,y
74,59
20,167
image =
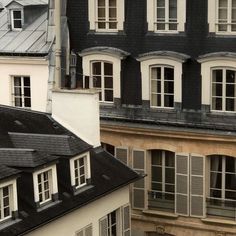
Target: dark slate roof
x,y
6,172
24,157
54,144
108,175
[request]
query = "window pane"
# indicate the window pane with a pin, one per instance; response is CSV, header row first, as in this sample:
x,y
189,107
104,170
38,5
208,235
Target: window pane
x,y
169,101
101,14
112,3
101,3
157,186
17,91
160,3
97,68
216,163
230,90
156,174
26,81
27,92
223,3
156,157
17,24
217,89
156,100
215,193
112,14
170,188
216,180
169,87
217,104
17,81
217,76
160,13
172,8
223,14
230,181
230,104
108,69
97,82
230,164
81,161
108,95
17,14
169,73
230,195
170,175
108,82
5,191
169,159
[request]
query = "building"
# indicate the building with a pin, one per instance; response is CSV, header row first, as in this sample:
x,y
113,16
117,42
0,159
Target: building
x,y
54,183
166,74
26,46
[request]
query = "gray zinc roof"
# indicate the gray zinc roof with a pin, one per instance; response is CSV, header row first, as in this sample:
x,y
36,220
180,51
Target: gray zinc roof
x,y
28,2
30,40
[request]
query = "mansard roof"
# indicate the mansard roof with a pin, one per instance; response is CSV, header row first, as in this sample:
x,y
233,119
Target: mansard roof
x,y
217,55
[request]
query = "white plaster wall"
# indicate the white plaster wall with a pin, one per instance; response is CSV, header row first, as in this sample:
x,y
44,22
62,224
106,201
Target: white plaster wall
x,y
78,111
91,213
36,69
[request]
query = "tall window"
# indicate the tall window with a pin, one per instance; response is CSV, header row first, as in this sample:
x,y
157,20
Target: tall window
x,y
166,15
44,186
107,14
222,184
5,202
109,224
21,91
102,78
223,90
162,180
16,19
162,86
80,171
226,16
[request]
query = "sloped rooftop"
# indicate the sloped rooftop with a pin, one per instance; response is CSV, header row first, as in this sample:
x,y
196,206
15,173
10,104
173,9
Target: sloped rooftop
x,y
29,40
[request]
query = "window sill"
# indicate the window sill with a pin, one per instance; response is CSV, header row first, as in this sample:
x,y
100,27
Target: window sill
x,y
161,213
82,189
167,33
94,32
218,221
8,222
47,205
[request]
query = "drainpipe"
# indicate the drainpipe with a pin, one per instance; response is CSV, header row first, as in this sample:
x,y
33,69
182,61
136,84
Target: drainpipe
x,y
57,79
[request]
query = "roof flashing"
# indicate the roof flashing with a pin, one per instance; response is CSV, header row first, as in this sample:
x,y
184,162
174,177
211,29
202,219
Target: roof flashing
x,y
217,56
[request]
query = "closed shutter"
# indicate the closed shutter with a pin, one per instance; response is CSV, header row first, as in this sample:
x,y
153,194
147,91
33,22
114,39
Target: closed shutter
x,y
126,221
197,186
121,153
103,222
138,194
88,231
182,184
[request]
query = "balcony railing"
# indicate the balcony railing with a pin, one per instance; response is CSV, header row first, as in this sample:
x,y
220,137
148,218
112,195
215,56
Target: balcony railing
x,y
222,208
162,201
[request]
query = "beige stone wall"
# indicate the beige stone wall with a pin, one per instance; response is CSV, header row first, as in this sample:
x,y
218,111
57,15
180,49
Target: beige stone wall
x,y
180,142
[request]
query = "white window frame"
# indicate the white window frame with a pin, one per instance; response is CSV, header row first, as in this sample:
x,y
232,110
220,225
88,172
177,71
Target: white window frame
x,y
181,16
102,89
12,19
87,170
223,97
115,60
52,183
147,63
213,18
223,176
118,222
82,232
92,12
162,80
22,97
13,203
207,64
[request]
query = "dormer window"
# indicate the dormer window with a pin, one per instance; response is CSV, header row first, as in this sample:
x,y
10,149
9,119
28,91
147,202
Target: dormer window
x,y
16,19
8,200
45,185
80,170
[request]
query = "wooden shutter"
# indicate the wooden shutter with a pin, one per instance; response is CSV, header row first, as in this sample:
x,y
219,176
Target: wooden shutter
x,y
182,184
88,231
103,222
121,153
138,194
126,220
197,186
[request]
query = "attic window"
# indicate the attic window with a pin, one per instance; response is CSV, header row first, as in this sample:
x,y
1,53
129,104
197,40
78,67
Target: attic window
x,y
16,19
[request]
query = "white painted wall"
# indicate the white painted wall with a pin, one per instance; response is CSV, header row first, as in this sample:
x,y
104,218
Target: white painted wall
x,y
36,69
78,111
91,213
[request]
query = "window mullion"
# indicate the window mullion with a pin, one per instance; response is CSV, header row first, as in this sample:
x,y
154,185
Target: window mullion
x,y
224,90
163,171
107,14
162,86
22,91
167,15
223,177
102,81
229,21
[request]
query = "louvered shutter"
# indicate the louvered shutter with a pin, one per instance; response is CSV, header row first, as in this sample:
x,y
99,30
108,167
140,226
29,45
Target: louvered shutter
x,y
126,221
197,186
182,184
121,153
138,194
88,231
103,222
